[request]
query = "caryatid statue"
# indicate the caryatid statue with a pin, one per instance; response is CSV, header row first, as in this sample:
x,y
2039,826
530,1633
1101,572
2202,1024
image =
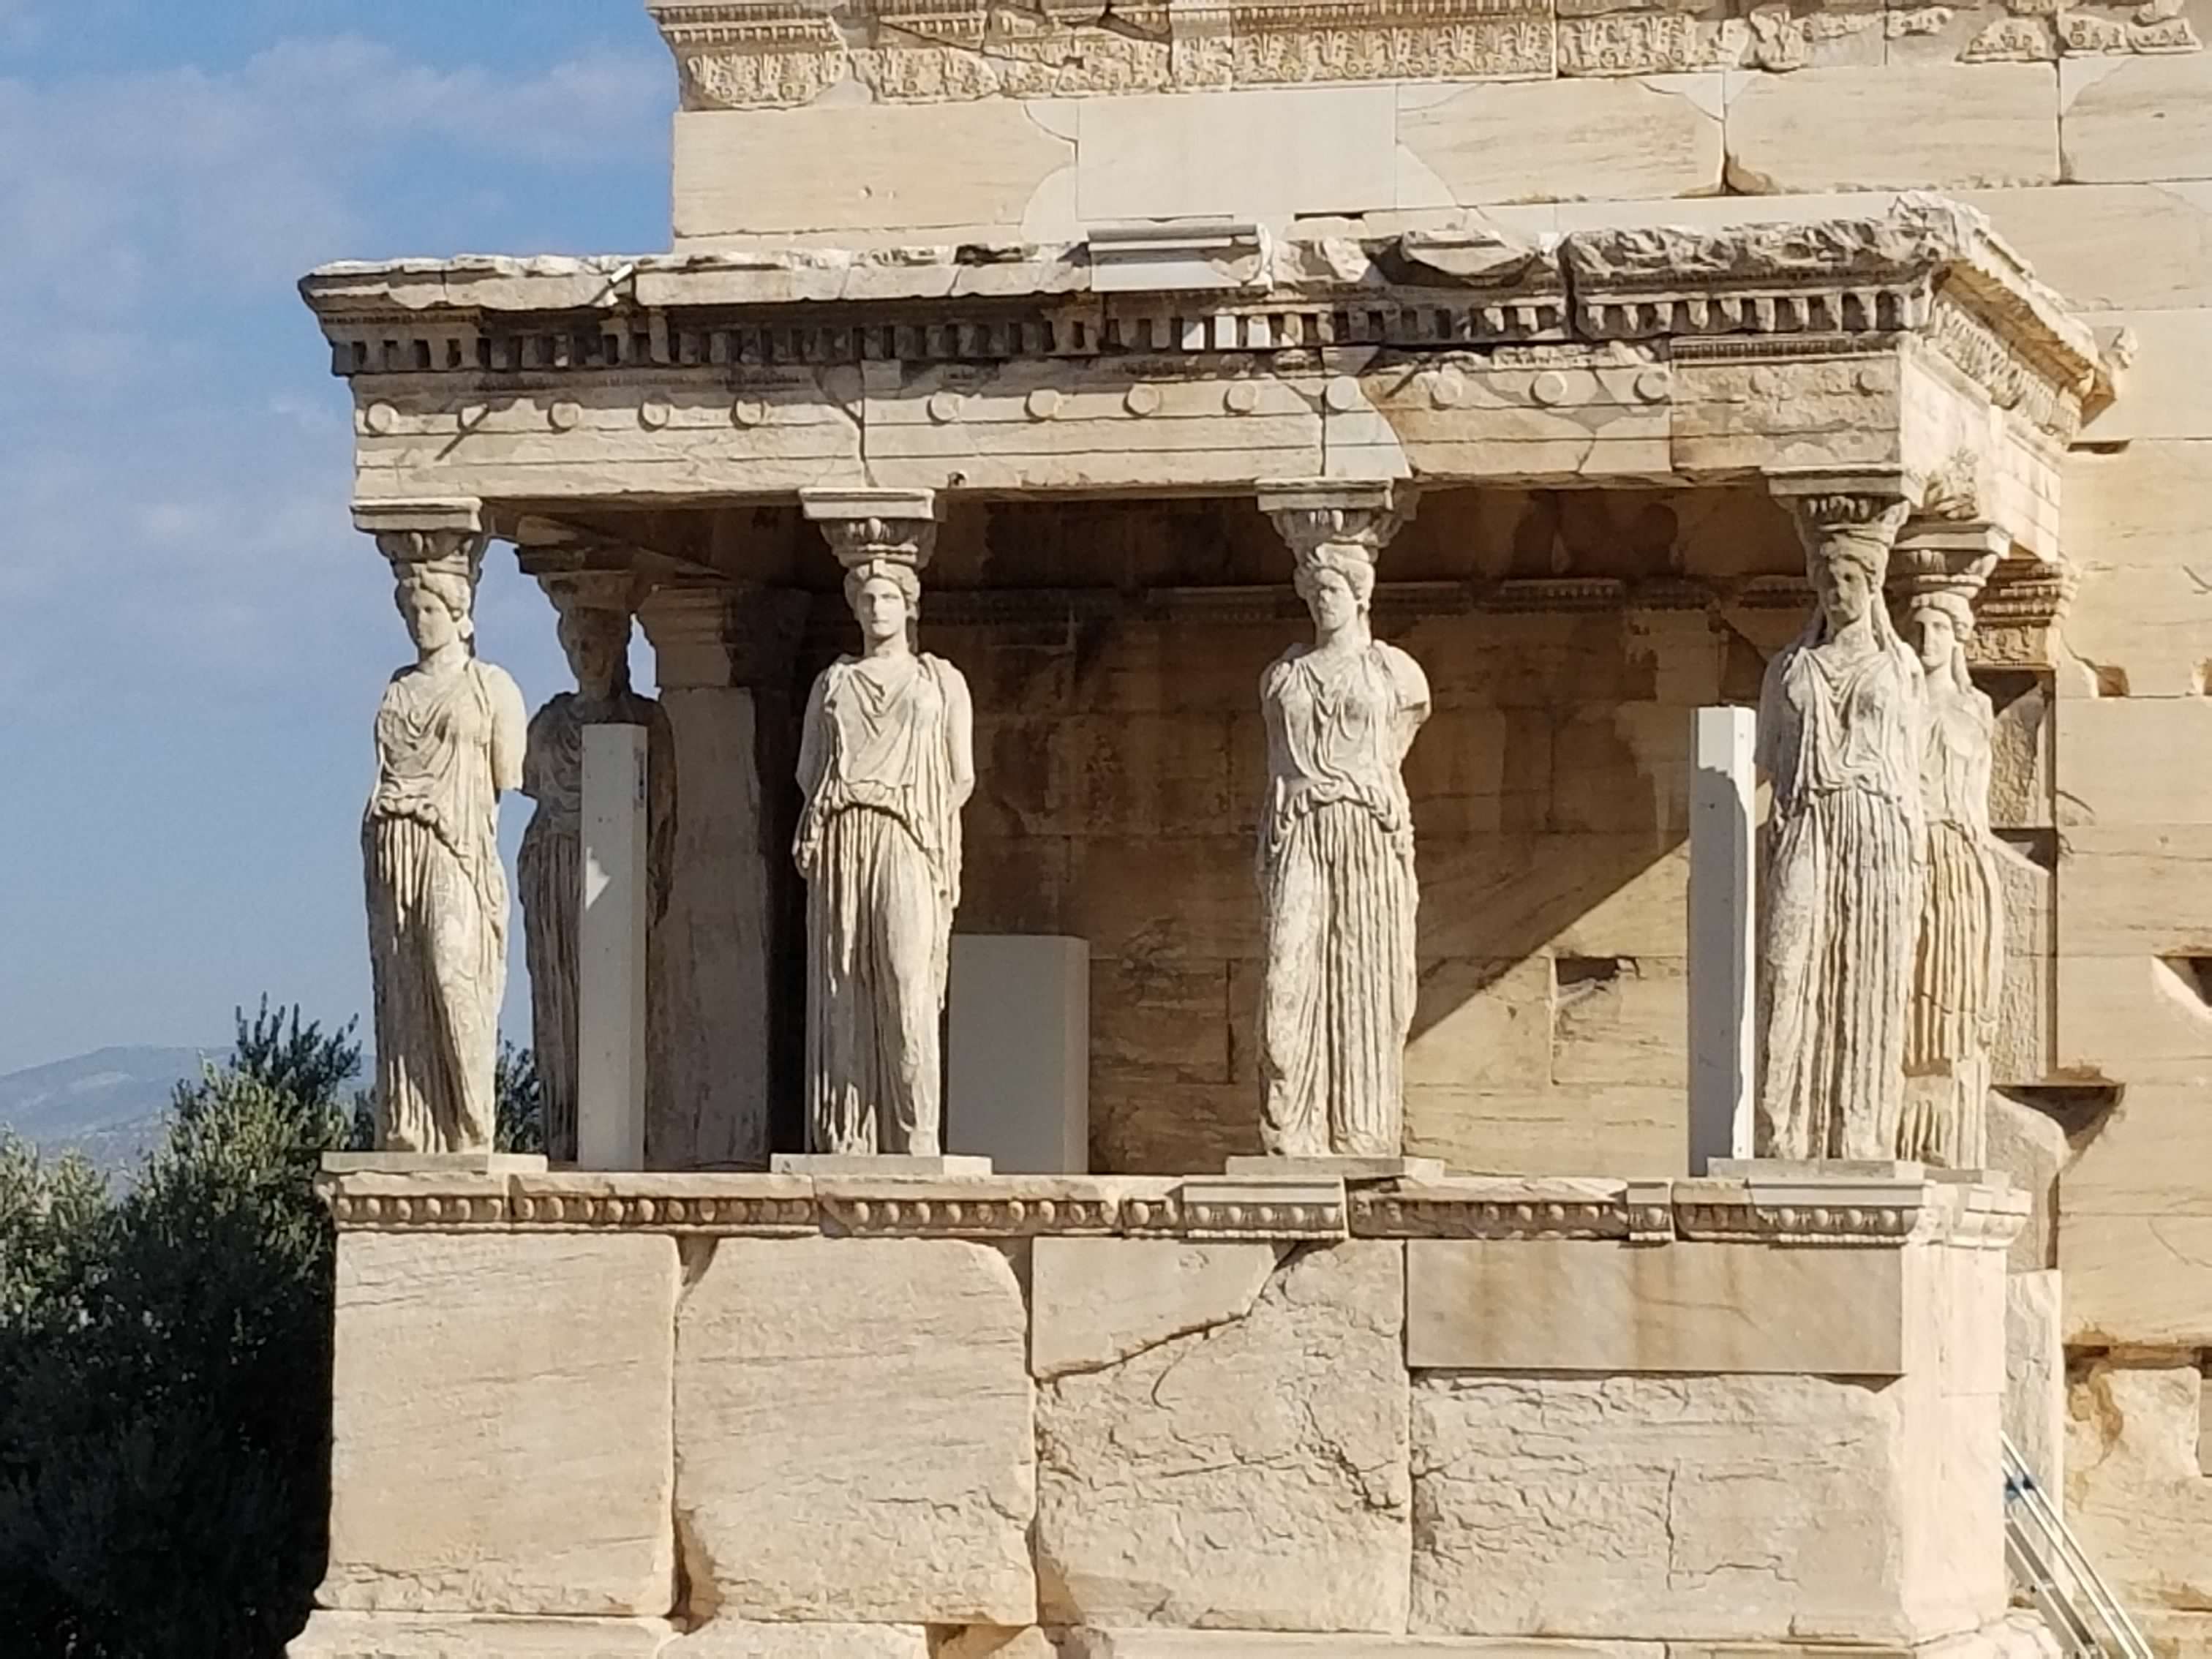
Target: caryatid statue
x,y
1840,725
449,740
1958,967
594,627
886,762
1338,894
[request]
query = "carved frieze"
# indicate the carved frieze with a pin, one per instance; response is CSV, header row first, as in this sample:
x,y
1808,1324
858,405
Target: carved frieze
x,y
762,54
1554,1208
1011,1209
776,53
2038,31
1872,1212
1277,44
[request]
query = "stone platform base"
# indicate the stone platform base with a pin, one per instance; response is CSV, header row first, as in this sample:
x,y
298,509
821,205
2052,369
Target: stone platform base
x,y
435,1636
477,1635
2021,1636
1626,1414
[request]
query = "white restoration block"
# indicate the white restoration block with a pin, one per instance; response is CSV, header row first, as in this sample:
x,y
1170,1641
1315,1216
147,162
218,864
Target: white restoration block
x,y
611,952
1723,868
1018,1084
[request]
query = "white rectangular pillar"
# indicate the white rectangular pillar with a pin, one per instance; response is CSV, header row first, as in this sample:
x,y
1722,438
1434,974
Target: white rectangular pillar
x,y
610,944
1722,965
1019,1061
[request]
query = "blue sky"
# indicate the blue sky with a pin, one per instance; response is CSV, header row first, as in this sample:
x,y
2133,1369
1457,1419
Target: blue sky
x,y
195,636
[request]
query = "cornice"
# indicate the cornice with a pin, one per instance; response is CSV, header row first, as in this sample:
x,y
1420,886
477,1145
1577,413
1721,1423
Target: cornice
x,y
1930,270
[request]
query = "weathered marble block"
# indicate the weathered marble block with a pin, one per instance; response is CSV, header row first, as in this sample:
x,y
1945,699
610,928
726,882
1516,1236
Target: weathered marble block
x,y
2035,1375
1249,1474
854,1433
500,1439
471,1636
1588,1305
1711,1506
731,1639
1268,1644
2137,1492
1786,1428
1097,1302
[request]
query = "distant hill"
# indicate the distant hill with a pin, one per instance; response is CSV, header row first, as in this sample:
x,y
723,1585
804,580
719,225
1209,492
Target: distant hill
x,y
107,1104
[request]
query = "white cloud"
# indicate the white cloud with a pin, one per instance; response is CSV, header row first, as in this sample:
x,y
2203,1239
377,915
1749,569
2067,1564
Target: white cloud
x,y
196,634
114,186
172,463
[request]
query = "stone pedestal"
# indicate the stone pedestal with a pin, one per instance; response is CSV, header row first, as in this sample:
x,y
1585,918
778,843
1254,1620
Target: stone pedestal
x,y
611,952
1722,936
333,1635
882,1166
432,1164
724,656
1162,1418
1335,1169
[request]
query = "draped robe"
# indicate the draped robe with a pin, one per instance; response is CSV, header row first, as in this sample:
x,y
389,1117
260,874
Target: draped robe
x,y
1958,971
548,871
879,845
1336,875
1840,735
437,907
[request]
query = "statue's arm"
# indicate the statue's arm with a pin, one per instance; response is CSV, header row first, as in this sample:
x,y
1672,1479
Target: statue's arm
x,y
1767,728
1414,701
812,737
533,753
960,734
1981,775
510,724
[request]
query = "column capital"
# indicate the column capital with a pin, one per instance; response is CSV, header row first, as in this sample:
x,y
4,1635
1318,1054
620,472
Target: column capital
x,y
723,633
1945,564
577,561
581,573
584,588
864,527
1835,511
1929,541
447,536
1357,516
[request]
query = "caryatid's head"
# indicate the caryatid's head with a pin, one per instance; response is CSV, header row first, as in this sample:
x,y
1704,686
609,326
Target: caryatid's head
x,y
1846,572
1938,624
595,638
885,596
1338,585
436,604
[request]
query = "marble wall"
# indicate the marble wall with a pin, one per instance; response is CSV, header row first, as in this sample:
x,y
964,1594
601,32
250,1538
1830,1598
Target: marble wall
x,y
769,1416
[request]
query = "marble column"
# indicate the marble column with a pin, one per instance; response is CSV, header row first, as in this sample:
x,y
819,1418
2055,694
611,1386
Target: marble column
x,y
886,762
1936,575
449,742
724,656
1840,721
593,592
1339,899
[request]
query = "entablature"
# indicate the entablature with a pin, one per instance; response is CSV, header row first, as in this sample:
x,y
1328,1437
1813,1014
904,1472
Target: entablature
x,y
1914,343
